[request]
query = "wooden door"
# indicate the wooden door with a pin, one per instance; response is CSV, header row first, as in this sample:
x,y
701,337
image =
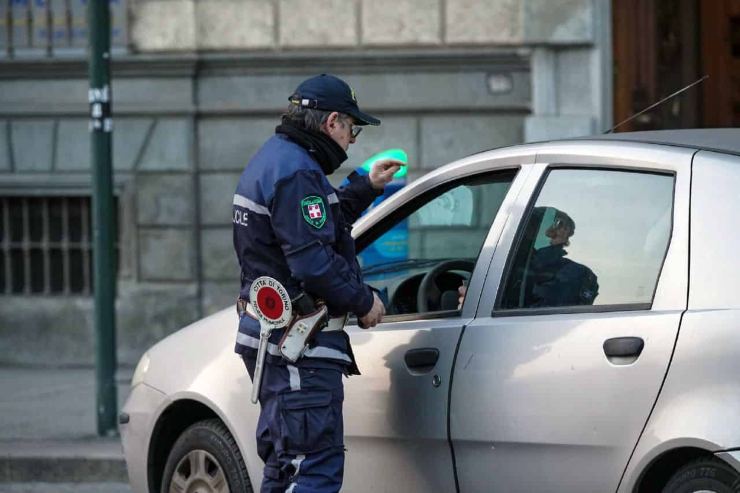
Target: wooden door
x,y
720,33
661,46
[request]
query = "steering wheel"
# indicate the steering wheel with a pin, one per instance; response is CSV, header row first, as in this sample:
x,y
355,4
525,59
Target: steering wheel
x,y
428,289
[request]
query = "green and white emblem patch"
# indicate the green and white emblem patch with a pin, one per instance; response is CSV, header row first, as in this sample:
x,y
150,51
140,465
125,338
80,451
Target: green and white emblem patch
x,y
314,211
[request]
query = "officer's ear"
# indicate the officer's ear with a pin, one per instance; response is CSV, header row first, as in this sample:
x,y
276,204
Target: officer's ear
x,y
332,122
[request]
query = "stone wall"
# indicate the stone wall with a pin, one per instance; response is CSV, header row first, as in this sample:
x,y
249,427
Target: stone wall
x,y
203,86
187,25
569,39
46,151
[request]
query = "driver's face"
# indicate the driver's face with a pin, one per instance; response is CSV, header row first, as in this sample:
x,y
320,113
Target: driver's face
x,y
558,232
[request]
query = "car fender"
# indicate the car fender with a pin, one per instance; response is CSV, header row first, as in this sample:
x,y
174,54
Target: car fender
x,y
698,403
198,363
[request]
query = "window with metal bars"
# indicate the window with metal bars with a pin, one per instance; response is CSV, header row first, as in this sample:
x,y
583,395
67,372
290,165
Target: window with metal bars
x,y
46,245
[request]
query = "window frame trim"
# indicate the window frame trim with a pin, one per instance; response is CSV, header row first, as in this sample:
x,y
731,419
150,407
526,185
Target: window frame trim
x,y
497,311
410,317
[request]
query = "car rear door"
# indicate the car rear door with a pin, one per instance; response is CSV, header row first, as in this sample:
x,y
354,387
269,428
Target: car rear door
x,y
395,413
557,375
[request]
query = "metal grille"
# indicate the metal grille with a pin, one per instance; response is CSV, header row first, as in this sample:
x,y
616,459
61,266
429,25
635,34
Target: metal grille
x,y
49,26
45,245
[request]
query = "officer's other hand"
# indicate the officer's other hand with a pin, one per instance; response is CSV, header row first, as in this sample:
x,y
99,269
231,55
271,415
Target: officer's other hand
x,y
375,315
382,172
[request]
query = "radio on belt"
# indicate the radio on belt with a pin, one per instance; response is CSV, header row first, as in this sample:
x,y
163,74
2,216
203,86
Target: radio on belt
x,y
307,323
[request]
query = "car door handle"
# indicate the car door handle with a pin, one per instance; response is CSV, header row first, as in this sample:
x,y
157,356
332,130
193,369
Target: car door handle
x,y
422,359
623,350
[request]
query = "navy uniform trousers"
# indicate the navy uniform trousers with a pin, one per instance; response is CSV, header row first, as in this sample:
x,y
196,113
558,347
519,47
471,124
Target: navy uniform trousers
x,y
300,428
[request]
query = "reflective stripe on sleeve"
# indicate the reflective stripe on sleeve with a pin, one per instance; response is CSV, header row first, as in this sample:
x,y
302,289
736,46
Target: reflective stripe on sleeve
x,y
333,199
253,206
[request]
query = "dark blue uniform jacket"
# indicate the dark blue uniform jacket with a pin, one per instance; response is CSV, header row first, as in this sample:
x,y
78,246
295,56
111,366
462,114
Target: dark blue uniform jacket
x,y
292,225
558,281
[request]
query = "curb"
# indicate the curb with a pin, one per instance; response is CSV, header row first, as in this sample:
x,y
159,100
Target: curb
x,y
77,461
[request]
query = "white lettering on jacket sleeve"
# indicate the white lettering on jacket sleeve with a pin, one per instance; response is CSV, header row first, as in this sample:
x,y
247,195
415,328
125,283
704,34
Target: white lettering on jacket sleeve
x,y
241,217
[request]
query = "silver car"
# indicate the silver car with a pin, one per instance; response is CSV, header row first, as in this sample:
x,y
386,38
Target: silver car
x,y
596,349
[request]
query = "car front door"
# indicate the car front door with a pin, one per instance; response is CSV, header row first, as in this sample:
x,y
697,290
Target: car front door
x,y
557,375
395,413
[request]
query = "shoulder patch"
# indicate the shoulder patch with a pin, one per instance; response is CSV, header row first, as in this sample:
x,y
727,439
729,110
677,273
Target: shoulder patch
x,y
314,211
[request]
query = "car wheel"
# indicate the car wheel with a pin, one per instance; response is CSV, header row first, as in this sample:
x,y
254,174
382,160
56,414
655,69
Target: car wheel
x,y
707,475
205,459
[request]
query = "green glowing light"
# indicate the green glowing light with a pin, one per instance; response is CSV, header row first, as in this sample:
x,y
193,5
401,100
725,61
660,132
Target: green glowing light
x,y
397,154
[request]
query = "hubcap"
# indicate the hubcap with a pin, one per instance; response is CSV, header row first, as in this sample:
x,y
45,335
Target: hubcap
x,y
198,472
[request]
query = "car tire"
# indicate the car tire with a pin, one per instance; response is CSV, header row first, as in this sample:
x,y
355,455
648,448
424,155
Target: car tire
x,y
706,475
206,459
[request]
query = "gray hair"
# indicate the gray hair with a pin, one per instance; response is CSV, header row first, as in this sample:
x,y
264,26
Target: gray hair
x,y
308,118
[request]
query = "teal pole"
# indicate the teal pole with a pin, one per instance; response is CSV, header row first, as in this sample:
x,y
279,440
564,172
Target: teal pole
x,y
104,261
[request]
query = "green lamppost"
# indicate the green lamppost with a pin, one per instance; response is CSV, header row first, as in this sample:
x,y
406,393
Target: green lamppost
x,y
104,261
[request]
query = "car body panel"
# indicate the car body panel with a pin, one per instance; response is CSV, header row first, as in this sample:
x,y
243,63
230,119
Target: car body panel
x,y
136,433
715,225
393,445
201,365
538,389
556,401
700,396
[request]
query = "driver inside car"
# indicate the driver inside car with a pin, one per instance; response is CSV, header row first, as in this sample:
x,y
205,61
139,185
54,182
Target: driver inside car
x,y
551,279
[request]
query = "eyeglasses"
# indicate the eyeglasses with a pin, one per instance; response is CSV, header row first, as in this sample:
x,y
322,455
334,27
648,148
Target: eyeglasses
x,y
354,130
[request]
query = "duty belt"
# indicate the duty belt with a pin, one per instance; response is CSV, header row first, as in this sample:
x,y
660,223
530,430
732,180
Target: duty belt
x,y
243,307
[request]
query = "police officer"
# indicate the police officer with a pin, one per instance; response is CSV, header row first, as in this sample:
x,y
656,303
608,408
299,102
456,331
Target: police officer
x,y
292,225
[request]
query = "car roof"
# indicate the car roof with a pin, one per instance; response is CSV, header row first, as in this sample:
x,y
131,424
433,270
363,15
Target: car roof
x,y
725,140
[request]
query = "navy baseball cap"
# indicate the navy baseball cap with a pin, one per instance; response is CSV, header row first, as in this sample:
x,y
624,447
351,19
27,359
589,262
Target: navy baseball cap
x,y
330,93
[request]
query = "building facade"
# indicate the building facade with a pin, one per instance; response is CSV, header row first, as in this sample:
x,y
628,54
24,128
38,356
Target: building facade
x,y
198,85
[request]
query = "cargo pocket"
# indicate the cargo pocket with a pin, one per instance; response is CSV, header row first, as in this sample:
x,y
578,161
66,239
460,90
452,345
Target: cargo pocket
x,y
308,421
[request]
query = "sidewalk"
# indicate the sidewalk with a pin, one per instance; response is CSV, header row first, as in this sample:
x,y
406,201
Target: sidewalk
x,y
48,434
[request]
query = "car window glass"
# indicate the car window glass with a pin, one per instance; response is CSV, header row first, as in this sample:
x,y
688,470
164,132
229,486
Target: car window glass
x,y
450,225
454,208
593,237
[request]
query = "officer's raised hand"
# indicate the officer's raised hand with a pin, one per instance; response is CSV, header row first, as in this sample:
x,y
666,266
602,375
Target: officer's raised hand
x,y
375,315
382,172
